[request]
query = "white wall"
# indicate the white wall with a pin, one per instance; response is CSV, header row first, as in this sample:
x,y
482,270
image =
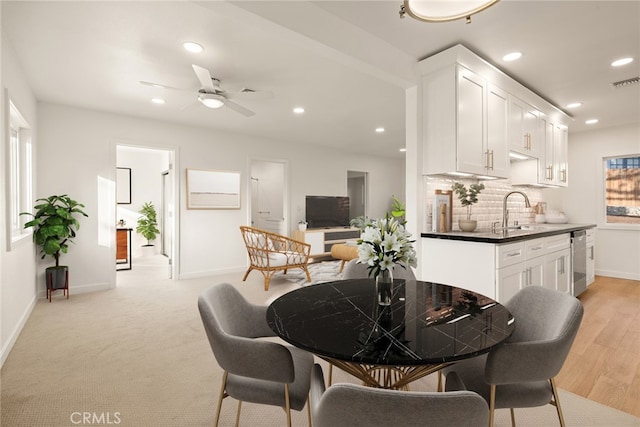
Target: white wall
x,y
617,249
18,265
209,240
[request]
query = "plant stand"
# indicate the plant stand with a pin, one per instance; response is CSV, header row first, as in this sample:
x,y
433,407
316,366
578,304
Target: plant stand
x,y
57,278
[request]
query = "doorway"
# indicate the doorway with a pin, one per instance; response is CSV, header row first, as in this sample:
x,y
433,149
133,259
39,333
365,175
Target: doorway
x,y
269,197
152,180
357,192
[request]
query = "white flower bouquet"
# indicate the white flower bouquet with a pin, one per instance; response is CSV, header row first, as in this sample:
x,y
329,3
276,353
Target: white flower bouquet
x,y
385,243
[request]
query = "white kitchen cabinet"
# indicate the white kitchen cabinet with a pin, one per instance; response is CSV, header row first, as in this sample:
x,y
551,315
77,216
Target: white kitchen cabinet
x,y
511,279
560,155
557,271
523,128
591,256
465,124
498,271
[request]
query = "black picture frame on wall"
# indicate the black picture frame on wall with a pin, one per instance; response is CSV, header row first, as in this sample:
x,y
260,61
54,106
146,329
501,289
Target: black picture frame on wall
x,y
123,186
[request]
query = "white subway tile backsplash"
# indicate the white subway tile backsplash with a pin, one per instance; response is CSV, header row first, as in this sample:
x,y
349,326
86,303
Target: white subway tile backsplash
x,y
489,206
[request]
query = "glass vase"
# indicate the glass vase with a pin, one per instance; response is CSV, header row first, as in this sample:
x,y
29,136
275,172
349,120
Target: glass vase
x,y
384,287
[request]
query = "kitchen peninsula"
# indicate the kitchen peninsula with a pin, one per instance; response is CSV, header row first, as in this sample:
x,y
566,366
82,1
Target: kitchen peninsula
x,y
499,263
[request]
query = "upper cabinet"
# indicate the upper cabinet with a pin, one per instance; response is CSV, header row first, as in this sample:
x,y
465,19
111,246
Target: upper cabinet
x,y
464,124
473,116
523,133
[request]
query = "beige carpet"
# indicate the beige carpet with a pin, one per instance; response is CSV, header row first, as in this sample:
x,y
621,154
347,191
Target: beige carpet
x,y
138,356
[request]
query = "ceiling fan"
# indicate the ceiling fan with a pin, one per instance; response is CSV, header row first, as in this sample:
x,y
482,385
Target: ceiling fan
x,y
213,96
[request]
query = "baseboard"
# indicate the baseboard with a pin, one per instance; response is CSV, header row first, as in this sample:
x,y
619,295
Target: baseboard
x,y
216,272
13,337
618,274
81,289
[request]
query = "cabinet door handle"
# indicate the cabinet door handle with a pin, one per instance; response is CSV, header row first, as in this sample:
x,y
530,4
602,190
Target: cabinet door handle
x,y
591,257
510,254
491,157
563,174
486,160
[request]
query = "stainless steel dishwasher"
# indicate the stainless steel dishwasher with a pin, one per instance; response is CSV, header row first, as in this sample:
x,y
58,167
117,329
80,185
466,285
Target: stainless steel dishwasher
x,y
579,261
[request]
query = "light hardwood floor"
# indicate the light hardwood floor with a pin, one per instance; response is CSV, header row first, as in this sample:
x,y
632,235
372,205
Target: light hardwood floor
x,y
604,362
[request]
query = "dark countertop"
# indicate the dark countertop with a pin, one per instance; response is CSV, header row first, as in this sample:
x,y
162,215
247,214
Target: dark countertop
x,y
532,231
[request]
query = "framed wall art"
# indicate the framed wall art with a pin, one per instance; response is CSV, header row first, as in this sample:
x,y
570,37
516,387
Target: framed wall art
x,y
210,189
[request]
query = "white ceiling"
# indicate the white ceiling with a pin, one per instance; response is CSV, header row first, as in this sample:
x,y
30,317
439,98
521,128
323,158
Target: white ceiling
x,y
347,62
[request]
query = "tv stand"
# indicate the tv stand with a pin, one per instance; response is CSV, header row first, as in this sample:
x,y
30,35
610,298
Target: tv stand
x,y
321,239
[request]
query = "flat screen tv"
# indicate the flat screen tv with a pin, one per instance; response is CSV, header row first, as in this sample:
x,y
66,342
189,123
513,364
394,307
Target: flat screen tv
x,y
327,211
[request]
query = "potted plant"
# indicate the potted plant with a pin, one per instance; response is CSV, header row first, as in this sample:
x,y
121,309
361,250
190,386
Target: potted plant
x,y
54,227
148,223
467,197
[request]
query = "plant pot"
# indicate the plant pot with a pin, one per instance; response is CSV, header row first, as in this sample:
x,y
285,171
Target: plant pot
x,y
57,278
148,250
467,224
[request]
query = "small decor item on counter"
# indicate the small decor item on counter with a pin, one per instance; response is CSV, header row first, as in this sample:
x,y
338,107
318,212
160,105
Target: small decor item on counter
x,y
442,205
555,217
383,244
467,198
302,225
122,223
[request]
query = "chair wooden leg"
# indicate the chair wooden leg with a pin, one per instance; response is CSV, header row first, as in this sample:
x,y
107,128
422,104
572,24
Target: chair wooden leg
x,y
287,404
513,417
309,411
440,381
330,373
492,404
247,274
556,401
222,395
306,270
342,265
238,414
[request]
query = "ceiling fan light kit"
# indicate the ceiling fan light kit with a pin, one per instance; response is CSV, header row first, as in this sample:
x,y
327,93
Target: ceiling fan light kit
x,y
443,11
212,100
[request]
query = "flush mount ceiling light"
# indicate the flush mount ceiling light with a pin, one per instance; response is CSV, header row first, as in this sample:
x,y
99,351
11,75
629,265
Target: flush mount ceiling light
x,y
443,11
574,105
298,110
591,121
379,130
157,101
621,62
512,56
193,47
212,100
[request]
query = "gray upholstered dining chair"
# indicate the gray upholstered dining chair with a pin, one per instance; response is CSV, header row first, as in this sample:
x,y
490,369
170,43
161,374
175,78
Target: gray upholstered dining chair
x,y
520,372
257,371
355,270
352,405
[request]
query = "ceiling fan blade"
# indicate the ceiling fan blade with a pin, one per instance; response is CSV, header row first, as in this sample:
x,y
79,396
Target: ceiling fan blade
x,y
205,78
239,108
250,94
158,85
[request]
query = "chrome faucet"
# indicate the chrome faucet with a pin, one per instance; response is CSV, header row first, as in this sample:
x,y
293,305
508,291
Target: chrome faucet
x,y
505,211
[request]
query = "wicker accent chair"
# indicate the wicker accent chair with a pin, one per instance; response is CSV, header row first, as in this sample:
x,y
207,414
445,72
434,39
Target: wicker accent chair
x,y
271,252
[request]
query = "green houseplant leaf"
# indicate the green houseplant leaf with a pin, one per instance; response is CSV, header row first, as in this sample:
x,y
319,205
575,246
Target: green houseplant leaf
x,y
55,224
148,222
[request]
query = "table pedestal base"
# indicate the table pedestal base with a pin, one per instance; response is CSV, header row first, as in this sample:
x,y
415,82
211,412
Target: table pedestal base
x,y
389,377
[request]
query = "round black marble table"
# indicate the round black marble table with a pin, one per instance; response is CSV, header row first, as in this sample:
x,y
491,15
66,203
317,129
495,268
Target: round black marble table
x,y
427,327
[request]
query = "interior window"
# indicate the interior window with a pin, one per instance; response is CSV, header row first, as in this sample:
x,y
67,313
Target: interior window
x,y
622,189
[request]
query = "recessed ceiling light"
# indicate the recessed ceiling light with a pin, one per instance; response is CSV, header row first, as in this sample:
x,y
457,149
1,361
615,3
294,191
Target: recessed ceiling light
x,y
403,150
157,101
298,110
591,121
574,105
622,61
193,47
379,130
512,56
